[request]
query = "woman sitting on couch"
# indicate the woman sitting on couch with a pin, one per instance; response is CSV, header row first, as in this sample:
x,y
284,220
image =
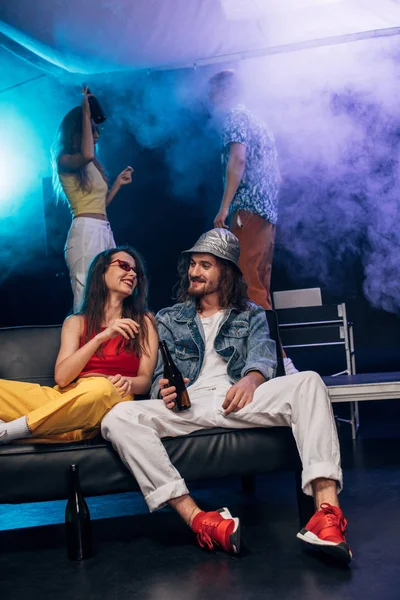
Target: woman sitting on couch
x,y
108,354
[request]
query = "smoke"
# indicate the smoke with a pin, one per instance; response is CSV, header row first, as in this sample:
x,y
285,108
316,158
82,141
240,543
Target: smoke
x,y
168,111
334,114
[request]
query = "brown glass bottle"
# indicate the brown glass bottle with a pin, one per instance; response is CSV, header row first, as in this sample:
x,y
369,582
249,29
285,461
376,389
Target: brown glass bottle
x,y
96,111
174,376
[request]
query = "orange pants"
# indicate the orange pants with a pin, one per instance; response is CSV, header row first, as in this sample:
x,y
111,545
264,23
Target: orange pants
x,y
59,414
257,242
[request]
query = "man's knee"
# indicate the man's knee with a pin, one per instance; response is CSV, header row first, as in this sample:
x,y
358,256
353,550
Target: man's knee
x,y
310,378
117,417
314,391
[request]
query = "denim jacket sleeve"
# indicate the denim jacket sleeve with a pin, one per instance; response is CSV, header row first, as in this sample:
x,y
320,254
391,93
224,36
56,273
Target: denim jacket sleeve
x,y
261,355
165,334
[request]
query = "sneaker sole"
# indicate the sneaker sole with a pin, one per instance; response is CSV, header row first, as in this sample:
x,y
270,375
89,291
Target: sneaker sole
x,y
234,538
340,551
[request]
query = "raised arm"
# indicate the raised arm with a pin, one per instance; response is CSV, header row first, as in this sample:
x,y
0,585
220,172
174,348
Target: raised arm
x,y
74,162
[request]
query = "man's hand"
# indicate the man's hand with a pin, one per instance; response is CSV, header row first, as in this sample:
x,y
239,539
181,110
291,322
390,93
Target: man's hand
x,y
220,219
168,392
239,395
234,173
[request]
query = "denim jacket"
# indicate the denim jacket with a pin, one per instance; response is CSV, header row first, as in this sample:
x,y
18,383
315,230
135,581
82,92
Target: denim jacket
x,y
242,340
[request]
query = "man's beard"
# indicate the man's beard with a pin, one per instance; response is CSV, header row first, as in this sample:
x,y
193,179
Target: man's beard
x,y
197,293
202,291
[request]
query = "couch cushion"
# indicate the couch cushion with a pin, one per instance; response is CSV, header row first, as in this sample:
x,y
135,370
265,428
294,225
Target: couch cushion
x,y
29,353
38,472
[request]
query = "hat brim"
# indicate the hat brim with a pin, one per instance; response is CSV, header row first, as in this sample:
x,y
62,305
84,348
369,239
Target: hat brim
x,y
207,249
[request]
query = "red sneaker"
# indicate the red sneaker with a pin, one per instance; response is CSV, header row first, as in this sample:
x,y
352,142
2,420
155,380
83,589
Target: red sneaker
x,y
327,530
217,529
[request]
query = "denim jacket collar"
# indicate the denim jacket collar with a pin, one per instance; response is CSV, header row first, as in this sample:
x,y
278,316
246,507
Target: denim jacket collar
x,y
188,312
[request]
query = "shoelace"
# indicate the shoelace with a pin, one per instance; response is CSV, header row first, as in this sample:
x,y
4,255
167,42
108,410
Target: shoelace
x,y
204,536
335,516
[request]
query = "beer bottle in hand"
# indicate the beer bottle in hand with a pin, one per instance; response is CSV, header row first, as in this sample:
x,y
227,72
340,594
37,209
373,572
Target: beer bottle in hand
x,y
77,519
96,111
174,376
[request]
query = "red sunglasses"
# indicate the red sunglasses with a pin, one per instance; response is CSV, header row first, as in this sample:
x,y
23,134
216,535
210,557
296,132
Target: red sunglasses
x,y
125,266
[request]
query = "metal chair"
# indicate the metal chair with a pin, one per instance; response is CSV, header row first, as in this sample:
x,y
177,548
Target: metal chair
x,y
313,334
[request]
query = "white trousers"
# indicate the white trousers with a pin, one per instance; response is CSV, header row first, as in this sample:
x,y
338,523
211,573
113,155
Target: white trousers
x,y
86,238
299,401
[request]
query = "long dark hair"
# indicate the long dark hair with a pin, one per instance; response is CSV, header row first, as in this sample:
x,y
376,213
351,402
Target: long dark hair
x,y
68,141
233,288
133,307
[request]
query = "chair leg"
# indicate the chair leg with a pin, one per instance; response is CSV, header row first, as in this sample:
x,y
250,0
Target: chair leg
x,y
354,419
248,484
305,503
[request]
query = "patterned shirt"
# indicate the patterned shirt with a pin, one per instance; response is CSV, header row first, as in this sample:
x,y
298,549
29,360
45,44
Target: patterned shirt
x,y
259,187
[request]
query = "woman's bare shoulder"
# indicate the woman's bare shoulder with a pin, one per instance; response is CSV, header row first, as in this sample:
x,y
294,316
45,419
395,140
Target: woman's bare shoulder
x,y
150,318
74,323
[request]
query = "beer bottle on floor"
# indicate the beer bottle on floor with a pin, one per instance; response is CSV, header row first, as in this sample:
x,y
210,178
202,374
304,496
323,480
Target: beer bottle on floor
x,y
77,519
174,376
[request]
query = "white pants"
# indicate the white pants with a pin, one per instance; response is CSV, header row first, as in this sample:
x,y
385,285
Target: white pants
x,y
86,238
299,401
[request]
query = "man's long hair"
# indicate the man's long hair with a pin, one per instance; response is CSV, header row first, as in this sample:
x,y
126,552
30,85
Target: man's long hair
x,y
133,307
68,141
233,288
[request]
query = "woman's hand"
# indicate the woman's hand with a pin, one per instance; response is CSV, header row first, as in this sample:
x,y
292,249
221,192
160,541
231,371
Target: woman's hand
x,y
125,177
128,328
123,384
168,393
85,100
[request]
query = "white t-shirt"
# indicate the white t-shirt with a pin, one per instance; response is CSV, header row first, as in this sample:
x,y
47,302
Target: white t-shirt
x,y
213,373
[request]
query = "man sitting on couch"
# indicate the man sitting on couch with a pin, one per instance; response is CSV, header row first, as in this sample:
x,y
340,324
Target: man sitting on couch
x,y
220,342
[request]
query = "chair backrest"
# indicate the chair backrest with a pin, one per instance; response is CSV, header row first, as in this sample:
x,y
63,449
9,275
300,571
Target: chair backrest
x,y
29,353
272,319
296,298
319,338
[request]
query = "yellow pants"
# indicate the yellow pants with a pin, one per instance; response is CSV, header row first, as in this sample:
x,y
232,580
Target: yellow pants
x,y
66,414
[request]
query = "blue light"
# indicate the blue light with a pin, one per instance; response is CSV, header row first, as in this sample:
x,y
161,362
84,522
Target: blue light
x,y
19,157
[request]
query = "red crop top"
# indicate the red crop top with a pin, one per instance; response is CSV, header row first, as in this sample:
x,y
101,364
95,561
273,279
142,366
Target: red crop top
x,y
125,363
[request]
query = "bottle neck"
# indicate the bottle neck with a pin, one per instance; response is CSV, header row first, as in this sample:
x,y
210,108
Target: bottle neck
x,y
166,356
75,484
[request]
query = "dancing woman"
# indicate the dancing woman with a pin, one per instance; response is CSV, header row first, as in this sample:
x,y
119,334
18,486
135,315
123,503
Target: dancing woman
x,y
79,177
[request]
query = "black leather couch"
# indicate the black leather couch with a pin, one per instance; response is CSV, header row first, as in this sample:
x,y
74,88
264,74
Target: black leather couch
x,y
32,472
